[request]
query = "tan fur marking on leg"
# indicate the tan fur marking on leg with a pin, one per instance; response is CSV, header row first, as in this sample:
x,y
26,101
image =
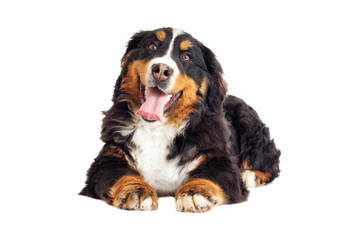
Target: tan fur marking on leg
x,y
116,152
131,192
262,178
246,164
199,195
253,178
113,151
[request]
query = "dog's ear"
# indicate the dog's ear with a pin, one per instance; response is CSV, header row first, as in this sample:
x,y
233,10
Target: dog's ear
x,y
135,40
131,45
217,87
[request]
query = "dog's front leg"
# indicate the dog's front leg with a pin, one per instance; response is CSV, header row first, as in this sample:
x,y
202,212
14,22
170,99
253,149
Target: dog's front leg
x,y
215,182
112,179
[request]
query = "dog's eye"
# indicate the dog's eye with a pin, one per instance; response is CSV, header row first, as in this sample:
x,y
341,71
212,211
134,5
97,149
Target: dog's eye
x,y
152,46
186,57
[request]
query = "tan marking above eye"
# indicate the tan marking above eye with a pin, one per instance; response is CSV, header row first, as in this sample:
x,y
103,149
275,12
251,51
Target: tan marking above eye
x,y
185,45
161,35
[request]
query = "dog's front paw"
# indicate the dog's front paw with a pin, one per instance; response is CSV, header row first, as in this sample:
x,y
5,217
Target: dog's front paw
x,y
131,192
199,195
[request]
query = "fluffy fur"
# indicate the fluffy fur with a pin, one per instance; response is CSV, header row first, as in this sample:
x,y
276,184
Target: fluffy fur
x,y
205,148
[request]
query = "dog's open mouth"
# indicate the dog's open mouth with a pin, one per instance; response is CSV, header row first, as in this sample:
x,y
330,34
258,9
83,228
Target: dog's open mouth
x,y
155,103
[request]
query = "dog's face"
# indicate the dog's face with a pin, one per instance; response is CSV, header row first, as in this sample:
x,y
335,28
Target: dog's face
x,y
167,75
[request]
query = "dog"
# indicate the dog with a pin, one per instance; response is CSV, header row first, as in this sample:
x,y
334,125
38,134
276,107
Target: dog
x,y
174,131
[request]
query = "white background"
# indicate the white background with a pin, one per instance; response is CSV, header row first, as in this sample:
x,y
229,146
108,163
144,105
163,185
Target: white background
x,y
291,60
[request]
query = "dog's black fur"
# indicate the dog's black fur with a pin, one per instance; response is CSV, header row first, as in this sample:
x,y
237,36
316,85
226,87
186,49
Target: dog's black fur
x,y
223,128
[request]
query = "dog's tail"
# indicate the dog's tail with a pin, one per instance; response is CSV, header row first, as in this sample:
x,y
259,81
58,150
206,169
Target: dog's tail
x,y
258,157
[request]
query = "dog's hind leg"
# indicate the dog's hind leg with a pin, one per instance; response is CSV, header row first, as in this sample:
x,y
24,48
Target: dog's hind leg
x,y
258,157
254,178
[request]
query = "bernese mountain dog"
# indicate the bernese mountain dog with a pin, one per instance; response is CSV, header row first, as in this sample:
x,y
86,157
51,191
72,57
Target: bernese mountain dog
x,y
173,131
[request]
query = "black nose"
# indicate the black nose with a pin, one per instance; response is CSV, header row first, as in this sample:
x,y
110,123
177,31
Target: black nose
x,y
161,72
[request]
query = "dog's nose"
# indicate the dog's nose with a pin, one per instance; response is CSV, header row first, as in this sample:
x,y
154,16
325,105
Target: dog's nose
x,y
161,72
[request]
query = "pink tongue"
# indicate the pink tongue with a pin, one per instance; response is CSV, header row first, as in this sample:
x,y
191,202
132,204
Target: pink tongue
x,y
153,107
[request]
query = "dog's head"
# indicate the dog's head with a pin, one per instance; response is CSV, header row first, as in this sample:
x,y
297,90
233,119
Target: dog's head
x,y
167,75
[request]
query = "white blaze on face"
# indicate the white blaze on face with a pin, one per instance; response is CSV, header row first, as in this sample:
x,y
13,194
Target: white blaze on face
x,y
166,59
157,97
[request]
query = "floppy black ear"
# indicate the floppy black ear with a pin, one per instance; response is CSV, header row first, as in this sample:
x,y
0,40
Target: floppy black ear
x,y
135,40
217,87
131,45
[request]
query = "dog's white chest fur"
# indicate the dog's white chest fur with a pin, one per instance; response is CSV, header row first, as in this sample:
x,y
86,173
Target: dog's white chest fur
x,y
150,154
